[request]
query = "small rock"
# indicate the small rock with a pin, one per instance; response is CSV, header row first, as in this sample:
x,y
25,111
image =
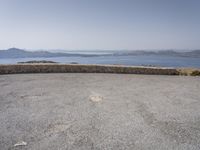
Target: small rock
x,y
22,143
96,98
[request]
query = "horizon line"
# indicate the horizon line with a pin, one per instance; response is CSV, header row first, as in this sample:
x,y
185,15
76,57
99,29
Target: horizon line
x,y
60,49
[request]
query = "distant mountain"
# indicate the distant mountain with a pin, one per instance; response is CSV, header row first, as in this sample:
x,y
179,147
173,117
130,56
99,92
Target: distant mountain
x,y
133,52
194,53
19,53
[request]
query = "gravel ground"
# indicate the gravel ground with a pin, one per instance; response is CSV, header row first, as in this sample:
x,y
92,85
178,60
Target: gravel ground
x,y
99,111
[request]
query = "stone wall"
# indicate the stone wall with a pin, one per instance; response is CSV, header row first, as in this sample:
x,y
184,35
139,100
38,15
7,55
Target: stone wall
x,y
72,68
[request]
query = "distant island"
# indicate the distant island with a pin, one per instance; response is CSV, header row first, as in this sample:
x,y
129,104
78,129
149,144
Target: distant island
x,y
192,53
20,53
38,62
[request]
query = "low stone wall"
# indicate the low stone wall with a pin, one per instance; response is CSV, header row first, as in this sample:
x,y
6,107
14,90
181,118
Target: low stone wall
x,y
72,68
189,71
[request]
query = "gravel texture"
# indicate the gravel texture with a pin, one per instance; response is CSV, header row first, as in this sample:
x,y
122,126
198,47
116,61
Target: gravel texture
x,y
99,111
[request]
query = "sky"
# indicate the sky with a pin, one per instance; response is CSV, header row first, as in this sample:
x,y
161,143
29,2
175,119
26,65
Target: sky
x,y
100,24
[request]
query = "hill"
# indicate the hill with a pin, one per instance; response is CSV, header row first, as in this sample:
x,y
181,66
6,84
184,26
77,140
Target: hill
x,y
20,53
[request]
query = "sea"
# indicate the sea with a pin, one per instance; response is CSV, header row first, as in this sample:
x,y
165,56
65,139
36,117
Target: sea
x,y
133,60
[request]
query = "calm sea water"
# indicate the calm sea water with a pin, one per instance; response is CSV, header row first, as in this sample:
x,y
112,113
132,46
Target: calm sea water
x,y
165,61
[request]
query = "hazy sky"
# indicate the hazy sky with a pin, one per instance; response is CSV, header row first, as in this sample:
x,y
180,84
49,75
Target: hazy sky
x,y
100,24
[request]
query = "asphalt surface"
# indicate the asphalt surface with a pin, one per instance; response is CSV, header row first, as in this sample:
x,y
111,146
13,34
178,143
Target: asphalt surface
x,y
99,111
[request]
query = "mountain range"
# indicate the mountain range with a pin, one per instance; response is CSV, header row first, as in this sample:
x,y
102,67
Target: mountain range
x,y
20,53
